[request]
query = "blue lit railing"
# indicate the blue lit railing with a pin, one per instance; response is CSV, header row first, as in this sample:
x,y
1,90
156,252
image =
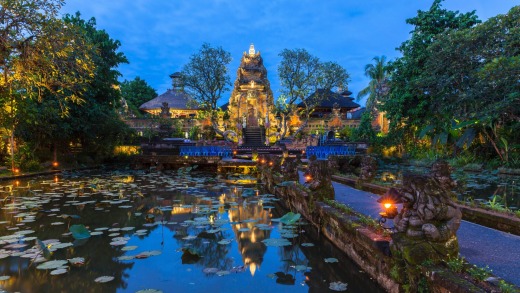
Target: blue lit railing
x,y
323,152
205,151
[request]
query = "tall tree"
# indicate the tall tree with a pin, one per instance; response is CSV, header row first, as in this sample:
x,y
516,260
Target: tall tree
x,y
473,74
39,55
301,74
137,92
206,78
408,99
377,87
95,123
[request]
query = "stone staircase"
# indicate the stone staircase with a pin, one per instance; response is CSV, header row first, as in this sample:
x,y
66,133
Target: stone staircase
x,y
254,137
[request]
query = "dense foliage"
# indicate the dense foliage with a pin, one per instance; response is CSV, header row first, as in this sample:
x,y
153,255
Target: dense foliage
x,y
302,74
136,92
59,84
206,78
455,88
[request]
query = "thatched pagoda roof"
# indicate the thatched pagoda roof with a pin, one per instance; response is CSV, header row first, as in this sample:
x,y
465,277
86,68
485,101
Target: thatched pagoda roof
x,y
176,99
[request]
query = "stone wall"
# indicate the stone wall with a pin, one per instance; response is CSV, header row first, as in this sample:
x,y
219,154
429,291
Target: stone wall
x,y
370,250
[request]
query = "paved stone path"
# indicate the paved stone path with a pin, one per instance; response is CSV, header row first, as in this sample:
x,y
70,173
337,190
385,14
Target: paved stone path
x,y
478,244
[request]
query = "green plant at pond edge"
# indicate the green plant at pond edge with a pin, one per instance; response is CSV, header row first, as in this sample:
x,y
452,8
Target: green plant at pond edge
x,y
456,264
344,208
422,286
479,273
495,203
506,287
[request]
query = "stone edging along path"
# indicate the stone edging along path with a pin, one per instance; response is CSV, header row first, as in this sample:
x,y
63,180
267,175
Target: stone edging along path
x,y
491,219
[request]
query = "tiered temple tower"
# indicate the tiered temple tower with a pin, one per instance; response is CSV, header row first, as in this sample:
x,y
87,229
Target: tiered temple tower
x,y
251,101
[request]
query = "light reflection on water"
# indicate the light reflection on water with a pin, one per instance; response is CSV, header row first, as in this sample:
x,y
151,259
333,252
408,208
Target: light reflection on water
x,y
177,211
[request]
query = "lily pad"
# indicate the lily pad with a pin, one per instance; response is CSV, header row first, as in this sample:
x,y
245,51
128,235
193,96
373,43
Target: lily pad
x,y
331,260
51,265
77,261
276,242
190,256
103,279
284,279
79,232
58,272
210,270
128,248
338,286
290,218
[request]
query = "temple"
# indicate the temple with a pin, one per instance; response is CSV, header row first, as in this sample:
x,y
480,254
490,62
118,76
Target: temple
x,y
251,102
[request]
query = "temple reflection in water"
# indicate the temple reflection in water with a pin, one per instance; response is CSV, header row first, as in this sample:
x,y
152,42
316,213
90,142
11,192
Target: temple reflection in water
x,y
249,237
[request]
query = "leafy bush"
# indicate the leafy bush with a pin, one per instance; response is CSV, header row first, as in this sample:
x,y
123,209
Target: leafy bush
x,y
31,165
478,273
456,264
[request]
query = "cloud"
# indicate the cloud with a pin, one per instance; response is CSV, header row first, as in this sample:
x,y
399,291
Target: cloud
x,y
159,36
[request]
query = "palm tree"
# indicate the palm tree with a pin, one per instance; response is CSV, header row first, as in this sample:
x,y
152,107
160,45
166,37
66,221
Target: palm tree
x,y
378,86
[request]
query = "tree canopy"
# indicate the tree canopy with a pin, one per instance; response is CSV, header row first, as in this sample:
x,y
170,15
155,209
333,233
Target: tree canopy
x,y
206,78
302,74
458,80
136,92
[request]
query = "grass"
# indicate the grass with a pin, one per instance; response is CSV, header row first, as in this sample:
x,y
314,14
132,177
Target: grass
x,y
456,264
478,273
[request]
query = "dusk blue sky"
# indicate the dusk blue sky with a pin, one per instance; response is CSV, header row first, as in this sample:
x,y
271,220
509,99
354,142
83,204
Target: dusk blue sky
x,y
159,36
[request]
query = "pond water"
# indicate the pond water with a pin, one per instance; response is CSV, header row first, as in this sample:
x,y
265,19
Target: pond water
x,y
473,186
160,232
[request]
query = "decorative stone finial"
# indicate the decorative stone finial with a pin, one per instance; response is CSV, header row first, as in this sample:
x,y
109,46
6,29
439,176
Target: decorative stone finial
x,y
252,50
177,82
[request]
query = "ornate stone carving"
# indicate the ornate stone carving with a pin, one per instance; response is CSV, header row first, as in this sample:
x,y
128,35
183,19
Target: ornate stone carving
x,y
320,182
426,226
165,111
368,169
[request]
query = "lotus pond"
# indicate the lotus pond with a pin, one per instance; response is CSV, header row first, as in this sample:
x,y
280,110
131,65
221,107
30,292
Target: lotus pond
x,y
130,231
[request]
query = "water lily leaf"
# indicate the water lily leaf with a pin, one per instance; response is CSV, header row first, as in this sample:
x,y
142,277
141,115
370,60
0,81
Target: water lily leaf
x,y
248,192
290,218
77,261
103,279
44,249
52,264
331,260
338,286
276,242
129,248
190,256
307,244
79,232
58,272
4,278
284,279
210,270
224,242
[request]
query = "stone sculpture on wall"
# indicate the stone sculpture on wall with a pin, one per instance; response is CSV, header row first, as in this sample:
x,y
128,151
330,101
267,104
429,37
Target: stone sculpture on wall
x,y
427,224
320,182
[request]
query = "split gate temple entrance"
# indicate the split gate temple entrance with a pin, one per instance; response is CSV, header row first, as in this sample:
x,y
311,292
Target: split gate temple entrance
x,y
251,101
